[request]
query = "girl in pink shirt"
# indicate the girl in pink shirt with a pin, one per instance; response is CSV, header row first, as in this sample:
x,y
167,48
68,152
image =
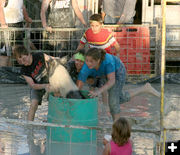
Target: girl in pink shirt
x,y
120,143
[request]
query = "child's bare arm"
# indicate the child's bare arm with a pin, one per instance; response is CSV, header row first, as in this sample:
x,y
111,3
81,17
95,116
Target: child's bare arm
x,y
117,47
110,82
80,46
79,84
107,149
33,85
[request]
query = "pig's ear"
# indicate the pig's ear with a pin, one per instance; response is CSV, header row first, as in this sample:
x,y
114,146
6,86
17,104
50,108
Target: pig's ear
x,y
64,60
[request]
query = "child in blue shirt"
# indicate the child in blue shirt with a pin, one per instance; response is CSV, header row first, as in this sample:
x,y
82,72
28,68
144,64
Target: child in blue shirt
x,y
98,63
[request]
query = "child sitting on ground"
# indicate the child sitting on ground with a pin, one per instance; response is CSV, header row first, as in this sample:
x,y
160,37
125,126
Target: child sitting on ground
x,y
120,143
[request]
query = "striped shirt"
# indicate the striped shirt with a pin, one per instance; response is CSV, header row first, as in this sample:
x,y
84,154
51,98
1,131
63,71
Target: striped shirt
x,y
104,39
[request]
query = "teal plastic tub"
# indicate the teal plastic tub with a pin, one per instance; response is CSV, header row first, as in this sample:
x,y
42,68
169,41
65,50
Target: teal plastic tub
x,y
80,112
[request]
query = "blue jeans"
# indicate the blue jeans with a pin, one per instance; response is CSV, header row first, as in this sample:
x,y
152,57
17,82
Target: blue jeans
x,y
110,20
116,94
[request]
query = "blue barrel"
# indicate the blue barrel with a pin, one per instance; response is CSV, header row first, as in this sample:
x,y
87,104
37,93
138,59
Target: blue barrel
x,y
80,112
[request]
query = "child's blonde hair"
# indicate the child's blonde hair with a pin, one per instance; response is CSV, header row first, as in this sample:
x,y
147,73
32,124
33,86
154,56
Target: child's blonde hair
x,y
96,17
121,131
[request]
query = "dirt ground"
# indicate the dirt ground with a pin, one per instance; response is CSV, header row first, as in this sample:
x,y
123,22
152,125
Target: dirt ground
x,y
142,111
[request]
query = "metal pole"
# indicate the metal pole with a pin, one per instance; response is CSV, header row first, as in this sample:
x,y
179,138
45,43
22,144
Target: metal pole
x,y
163,59
163,44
